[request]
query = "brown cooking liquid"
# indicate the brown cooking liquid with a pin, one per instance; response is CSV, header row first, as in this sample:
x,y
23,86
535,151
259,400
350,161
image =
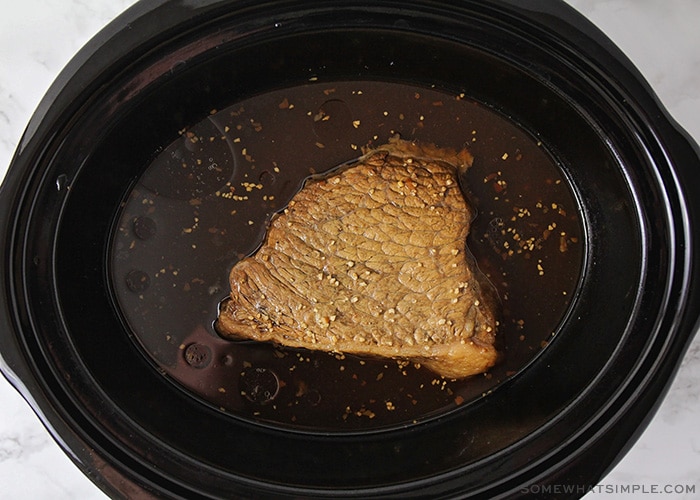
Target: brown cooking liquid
x,y
204,202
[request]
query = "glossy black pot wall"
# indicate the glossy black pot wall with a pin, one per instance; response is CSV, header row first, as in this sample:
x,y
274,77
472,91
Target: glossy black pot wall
x,y
564,419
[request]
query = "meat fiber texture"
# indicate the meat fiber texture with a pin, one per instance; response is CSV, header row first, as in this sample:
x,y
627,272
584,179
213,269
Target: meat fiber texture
x,y
372,260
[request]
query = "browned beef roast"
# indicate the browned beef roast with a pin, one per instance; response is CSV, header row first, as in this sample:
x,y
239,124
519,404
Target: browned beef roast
x,y
372,260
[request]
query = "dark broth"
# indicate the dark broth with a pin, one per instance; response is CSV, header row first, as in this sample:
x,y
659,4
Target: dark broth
x,y
204,202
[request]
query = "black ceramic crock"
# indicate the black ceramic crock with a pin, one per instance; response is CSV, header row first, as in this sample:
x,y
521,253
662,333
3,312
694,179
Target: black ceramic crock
x,y
566,418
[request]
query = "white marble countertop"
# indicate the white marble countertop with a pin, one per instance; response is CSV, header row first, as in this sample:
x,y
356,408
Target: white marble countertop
x,y
38,37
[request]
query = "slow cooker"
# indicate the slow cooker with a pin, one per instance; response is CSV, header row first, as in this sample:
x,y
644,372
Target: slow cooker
x,y
179,113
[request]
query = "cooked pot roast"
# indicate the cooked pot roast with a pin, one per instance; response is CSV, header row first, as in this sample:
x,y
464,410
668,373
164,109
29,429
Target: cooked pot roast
x,y
372,260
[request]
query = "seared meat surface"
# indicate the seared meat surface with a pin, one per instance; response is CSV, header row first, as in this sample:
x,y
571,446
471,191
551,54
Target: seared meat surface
x,y
372,260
